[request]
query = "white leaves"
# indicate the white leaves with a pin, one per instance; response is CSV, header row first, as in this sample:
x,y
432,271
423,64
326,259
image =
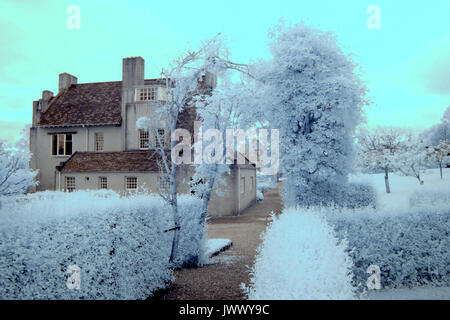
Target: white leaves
x,y
118,243
300,258
15,174
315,97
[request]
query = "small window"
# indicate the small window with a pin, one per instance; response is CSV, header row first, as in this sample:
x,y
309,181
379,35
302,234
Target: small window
x,y
146,94
161,134
70,184
61,145
99,141
131,183
163,182
252,183
143,139
242,185
102,182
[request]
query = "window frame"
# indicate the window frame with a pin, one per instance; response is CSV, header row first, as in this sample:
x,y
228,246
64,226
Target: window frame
x,y
66,184
96,143
55,141
102,180
126,183
163,138
144,93
141,132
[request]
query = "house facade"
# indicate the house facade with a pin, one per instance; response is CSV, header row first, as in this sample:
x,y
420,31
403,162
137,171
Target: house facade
x,y
85,138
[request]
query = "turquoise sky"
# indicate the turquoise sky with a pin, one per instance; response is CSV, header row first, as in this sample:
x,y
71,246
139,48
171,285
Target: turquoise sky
x,y
406,63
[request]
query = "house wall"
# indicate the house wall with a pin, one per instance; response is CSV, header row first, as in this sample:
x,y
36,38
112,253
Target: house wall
x,y
82,140
116,180
230,203
226,204
248,197
142,109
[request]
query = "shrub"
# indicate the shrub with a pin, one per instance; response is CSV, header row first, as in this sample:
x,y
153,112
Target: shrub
x,y
410,246
119,244
259,195
430,197
350,195
300,258
266,182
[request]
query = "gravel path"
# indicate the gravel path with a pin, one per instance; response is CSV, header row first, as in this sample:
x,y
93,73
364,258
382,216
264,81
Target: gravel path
x,y
222,279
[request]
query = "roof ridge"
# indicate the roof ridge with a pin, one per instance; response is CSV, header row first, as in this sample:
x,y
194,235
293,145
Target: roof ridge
x,y
115,81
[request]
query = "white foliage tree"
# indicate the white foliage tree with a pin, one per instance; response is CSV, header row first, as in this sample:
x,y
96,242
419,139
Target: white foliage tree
x,y
183,82
378,150
15,174
439,132
315,98
440,154
412,160
216,111
438,141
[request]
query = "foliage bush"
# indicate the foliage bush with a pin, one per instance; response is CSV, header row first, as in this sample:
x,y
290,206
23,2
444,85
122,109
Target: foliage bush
x,y
350,195
410,246
118,243
301,258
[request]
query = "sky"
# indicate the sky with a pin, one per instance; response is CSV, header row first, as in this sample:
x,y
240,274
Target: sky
x,y
405,63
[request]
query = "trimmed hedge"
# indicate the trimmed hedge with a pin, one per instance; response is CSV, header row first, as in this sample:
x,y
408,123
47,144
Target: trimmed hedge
x,y
119,244
410,247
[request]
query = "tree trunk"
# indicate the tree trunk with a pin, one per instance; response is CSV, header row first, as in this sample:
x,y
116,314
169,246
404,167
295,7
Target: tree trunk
x,y
386,179
176,218
420,181
174,250
440,169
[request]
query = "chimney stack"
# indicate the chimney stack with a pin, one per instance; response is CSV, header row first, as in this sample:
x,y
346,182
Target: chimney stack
x,y
40,106
46,95
65,81
132,72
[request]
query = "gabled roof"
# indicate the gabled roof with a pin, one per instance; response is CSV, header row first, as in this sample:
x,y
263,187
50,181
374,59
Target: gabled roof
x,y
88,104
120,161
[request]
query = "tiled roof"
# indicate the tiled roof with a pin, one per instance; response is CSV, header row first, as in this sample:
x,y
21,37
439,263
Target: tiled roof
x,y
88,104
120,161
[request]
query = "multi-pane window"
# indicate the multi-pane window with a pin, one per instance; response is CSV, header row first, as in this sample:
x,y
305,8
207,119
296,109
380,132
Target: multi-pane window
x,y
163,182
242,185
131,183
161,137
145,94
99,141
61,144
102,182
70,184
143,139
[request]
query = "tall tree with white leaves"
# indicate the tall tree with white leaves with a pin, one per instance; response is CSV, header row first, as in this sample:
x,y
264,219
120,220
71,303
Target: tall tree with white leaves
x,y
378,150
220,111
185,78
315,97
